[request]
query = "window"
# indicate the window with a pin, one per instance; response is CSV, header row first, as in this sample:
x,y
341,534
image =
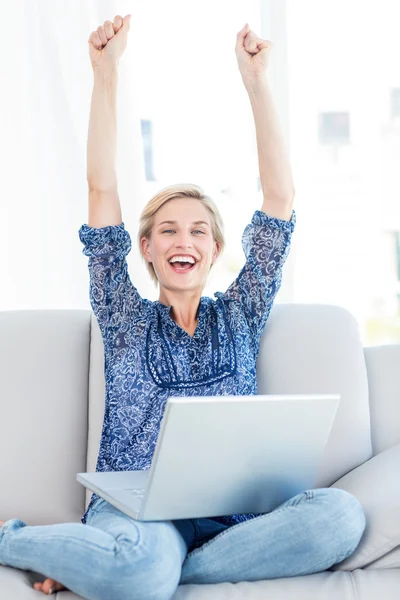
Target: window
x,y
395,102
334,128
147,137
397,250
345,152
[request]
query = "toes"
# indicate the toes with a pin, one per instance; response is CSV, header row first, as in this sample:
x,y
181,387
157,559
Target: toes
x,y
45,586
48,584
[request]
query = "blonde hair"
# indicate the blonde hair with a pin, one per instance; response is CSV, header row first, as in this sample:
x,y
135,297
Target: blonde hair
x,y
180,190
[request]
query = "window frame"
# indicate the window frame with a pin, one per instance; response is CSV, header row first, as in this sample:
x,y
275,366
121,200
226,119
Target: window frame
x,y
274,28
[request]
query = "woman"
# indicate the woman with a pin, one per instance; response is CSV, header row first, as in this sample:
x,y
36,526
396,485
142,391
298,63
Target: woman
x,y
182,344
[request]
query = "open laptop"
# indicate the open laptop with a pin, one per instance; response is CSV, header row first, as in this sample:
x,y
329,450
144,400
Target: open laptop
x,y
224,455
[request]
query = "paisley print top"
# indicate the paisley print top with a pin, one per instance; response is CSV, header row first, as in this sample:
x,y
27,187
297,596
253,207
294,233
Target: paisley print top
x,y
148,357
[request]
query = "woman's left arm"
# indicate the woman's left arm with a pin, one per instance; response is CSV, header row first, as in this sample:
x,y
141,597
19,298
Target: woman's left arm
x,y
252,54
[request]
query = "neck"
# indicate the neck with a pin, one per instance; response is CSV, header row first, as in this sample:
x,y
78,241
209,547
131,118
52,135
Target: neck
x,y
185,306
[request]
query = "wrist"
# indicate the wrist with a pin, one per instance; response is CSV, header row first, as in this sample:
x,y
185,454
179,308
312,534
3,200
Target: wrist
x,y
256,83
105,73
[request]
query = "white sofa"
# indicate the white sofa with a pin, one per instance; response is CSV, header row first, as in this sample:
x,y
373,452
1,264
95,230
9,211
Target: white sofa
x,y
52,402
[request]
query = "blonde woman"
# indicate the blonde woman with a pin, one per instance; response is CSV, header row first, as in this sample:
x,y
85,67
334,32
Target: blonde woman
x,y
182,344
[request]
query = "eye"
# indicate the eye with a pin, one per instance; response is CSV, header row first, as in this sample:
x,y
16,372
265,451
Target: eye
x,y
168,231
198,231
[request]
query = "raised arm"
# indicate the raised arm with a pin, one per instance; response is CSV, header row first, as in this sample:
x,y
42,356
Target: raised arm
x,y
252,54
266,240
115,301
106,46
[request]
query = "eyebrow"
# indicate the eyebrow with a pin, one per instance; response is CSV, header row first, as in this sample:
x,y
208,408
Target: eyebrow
x,y
175,222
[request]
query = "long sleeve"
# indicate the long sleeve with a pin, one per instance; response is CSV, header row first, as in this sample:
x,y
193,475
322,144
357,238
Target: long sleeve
x,y
266,244
113,298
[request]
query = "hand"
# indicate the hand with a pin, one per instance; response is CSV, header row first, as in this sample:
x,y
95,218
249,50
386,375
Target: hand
x,y
252,54
108,42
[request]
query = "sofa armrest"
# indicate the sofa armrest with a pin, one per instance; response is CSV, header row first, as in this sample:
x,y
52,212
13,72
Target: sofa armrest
x,y
376,485
384,395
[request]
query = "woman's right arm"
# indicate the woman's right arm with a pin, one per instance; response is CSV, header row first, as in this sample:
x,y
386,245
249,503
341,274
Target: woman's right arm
x,y
113,298
104,204
106,46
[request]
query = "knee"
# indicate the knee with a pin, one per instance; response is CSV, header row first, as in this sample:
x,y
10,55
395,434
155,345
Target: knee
x,y
141,571
344,523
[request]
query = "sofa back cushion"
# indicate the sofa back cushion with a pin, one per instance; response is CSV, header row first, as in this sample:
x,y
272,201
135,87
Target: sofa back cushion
x,y
44,363
97,396
311,348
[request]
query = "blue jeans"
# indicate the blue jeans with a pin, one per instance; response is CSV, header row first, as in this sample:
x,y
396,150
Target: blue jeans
x,y
114,556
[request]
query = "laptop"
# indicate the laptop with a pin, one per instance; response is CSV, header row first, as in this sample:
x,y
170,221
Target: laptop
x,y
224,455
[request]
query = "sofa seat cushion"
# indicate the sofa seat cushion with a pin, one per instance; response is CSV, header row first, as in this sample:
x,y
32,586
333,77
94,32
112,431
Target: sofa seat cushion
x,y
376,484
391,560
339,585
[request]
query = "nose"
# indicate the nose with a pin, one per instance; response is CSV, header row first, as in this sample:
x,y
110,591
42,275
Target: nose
x,y
183,240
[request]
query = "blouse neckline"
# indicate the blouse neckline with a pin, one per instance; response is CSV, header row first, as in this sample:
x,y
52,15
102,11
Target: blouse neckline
x,y
165,312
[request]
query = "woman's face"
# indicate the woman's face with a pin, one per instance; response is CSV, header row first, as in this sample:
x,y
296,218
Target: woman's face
x,y
181,229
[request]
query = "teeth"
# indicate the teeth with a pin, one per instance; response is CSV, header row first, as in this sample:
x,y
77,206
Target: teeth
x,y
182,259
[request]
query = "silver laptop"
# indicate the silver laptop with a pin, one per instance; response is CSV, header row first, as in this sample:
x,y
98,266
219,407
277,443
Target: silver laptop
x,y
224,455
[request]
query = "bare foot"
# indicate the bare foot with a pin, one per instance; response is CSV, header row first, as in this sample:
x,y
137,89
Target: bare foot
x,y
47,585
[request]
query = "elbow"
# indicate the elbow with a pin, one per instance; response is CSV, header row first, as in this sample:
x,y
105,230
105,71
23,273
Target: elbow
x,y
284,195
279,205
288,197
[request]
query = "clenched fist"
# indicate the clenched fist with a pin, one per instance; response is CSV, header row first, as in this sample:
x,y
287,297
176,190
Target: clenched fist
x,y
252,53
108,42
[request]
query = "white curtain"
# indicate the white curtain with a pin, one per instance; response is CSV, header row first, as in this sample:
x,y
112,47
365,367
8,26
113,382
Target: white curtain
x,y
179,71
45,102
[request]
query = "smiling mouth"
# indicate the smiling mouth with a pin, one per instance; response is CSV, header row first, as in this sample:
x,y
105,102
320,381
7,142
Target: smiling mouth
x,y
182,267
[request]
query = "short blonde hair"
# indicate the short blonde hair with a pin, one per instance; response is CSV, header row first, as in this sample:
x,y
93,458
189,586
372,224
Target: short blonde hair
x,y
180,190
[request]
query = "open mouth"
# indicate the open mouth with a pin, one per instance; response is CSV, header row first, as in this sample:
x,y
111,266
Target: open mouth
x,y
182,266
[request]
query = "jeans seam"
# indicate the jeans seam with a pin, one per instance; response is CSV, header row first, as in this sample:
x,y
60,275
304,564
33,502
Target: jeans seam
x,y
51,537
76,539
134,544
308,496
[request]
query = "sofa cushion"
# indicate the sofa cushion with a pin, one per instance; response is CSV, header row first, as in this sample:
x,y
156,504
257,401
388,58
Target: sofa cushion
x,y
97,395
391,560
311,348
16,584
376,484
384,395
338,585
44,363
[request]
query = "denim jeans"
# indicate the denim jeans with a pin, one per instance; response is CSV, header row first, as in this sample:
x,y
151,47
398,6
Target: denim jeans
x,y
114,556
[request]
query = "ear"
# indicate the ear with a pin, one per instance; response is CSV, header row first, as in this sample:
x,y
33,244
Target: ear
x,y
145,248
217,250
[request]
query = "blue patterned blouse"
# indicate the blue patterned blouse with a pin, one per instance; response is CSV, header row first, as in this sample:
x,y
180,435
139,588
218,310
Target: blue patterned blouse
x,y
148,357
